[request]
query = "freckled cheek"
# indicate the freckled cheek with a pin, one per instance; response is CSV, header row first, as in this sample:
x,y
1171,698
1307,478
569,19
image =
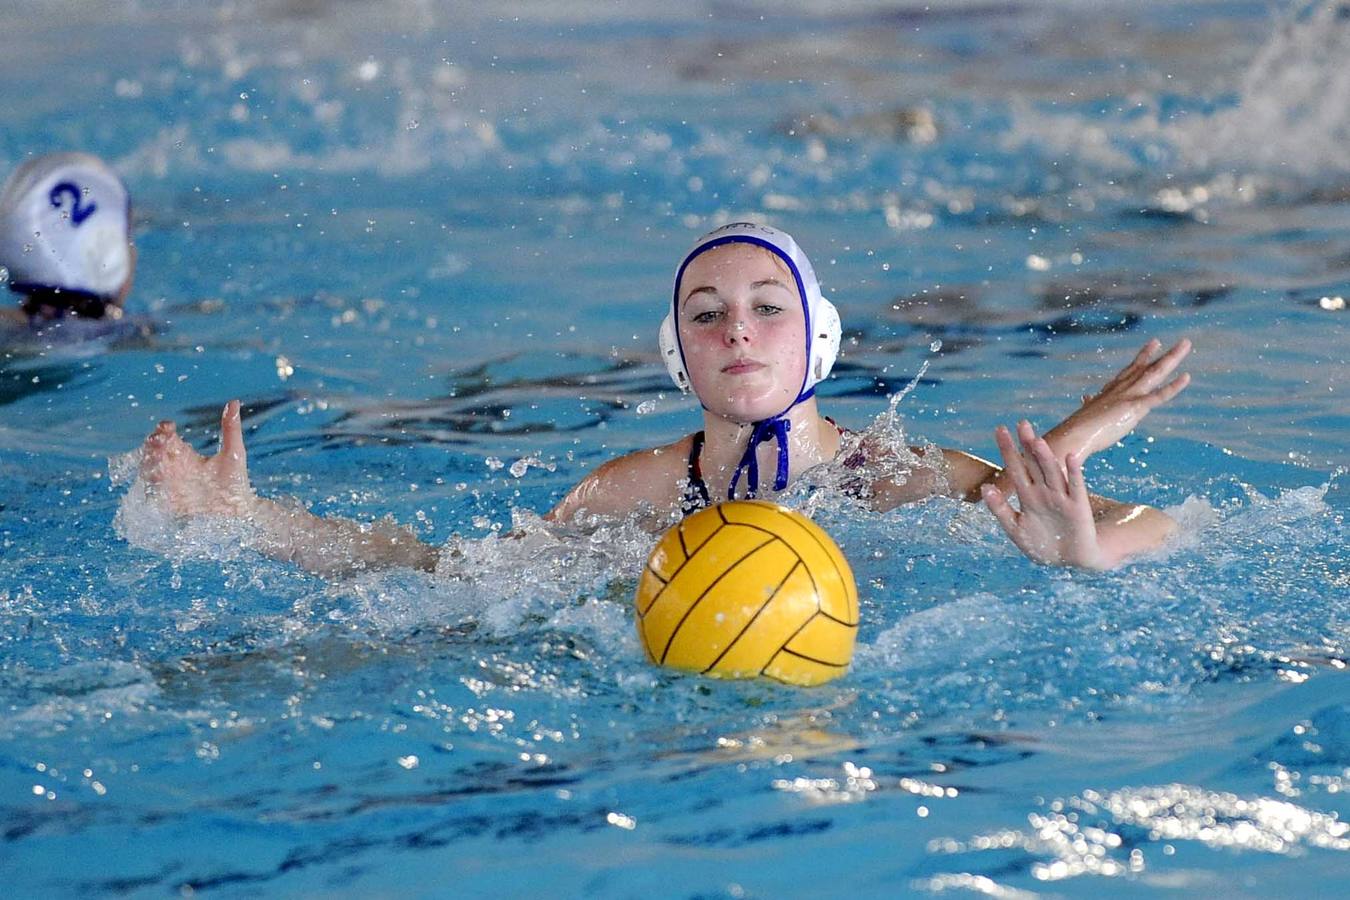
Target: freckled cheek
x,y
787,340
698,344
699,357
788,334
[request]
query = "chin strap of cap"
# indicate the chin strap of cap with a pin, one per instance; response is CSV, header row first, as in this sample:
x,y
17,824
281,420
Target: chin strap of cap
x,y
765,430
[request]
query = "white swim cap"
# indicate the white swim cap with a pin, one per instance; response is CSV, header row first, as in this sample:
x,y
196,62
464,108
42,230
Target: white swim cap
x,y
823,329
64,219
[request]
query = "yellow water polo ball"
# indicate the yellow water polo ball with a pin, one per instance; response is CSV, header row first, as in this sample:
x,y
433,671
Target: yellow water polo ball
x,y
746,589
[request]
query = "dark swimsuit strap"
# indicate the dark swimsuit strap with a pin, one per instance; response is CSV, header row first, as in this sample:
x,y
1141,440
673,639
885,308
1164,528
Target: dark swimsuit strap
x,y
695,490
696,494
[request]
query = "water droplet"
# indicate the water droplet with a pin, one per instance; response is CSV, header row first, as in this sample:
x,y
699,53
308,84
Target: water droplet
x,y
619,820
646,407
935,346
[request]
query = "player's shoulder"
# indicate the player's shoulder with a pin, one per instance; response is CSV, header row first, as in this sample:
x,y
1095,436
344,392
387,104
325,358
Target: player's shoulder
x,y
651,461
649,478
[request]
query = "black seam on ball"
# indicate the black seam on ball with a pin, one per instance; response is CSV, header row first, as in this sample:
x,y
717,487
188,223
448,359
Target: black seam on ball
x,y
657,575
765,605
846,579
838,621
678,569
783,646
823,662
692,606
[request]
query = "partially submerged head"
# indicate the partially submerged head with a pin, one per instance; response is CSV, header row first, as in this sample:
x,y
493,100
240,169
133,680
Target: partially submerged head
x,y
65,222
748,290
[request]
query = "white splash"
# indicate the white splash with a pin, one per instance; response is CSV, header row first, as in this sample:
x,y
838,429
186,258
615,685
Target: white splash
x,y
1293,111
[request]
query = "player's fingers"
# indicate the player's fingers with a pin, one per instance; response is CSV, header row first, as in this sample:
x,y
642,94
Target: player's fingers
x,y
1162,368
1172,388
1013,463
231,432
999,506
1134,367
1052,475
1027,435
160,437
1078,491
1143,357
162,445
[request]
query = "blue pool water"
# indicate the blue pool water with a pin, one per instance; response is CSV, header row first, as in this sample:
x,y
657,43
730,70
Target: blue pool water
x,y
428,249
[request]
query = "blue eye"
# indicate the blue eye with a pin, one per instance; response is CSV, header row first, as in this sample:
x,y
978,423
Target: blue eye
x,y
707,317
768,309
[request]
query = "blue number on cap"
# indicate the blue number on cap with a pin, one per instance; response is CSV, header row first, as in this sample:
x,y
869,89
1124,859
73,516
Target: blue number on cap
x,y
78,212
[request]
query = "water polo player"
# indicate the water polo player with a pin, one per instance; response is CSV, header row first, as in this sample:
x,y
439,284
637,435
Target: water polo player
x,y
65,222
749,332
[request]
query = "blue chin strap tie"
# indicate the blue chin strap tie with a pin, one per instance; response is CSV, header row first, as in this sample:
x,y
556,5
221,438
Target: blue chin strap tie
x,y
765,430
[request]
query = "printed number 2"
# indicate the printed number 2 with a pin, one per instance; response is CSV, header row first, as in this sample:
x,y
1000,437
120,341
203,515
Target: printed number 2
x,y
78,211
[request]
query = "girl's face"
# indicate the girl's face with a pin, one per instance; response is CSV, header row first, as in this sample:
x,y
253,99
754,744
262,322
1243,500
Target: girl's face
x,y
743,332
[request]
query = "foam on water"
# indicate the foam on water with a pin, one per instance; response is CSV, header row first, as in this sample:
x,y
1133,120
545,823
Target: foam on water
x,y
1292,106
77,696
1282,127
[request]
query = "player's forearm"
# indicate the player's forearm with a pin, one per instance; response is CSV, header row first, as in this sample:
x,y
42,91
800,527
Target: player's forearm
x,y
1125,530
334,546
966,472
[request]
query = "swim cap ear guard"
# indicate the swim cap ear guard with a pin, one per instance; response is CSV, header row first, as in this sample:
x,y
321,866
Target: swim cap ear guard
x,y
823,328
64,223
823,333
670,354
